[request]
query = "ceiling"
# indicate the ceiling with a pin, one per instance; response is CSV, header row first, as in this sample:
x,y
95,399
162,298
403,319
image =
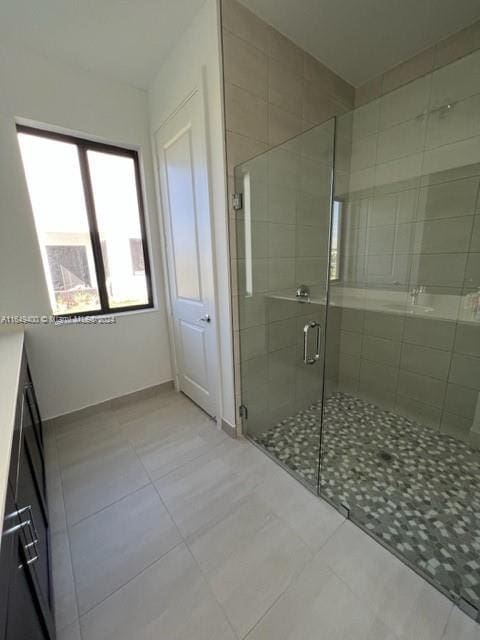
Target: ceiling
x,y
360,39
127,39
124,39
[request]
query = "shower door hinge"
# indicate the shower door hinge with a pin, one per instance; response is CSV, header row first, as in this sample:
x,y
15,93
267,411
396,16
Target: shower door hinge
x,y
243,411
237,201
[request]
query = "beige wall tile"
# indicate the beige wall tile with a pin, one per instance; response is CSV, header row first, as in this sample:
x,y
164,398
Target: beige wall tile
x,y
282,49
419,411
285,88
381,350
318,74
475,243
472,271
456,426
462,401
429,362
409,70
368,91
252,311
318,106
245,65
282,125
378,382
246,25
454,47
448,199
448,125
241,148
246,113
465,371
430,333
421,388
441,269
444,235
365,120
467,339
404,103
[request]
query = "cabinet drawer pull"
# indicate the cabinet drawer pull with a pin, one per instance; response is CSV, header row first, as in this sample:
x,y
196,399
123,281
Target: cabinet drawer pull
x,y
17,527
31,560
29,547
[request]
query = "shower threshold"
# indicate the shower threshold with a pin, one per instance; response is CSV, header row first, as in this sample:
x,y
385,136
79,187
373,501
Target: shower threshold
x,y
414,489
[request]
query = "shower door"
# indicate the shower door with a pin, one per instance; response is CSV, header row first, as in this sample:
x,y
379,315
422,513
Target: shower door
x,y
283,210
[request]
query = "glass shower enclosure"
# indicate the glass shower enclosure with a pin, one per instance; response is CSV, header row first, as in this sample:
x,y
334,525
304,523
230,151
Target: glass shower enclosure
x,y
358,270
283,231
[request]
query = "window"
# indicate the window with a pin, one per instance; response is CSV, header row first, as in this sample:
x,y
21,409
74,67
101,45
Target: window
x,y
335,256
88,211
136,252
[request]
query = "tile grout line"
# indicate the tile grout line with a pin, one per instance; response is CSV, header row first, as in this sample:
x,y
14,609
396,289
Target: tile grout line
x,y
183,539
146,568
67,533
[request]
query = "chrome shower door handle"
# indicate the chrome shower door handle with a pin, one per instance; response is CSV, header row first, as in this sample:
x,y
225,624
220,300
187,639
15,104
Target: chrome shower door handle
x,y
306,358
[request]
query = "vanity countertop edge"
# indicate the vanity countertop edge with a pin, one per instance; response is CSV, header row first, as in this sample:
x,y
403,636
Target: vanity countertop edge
x,y
11,349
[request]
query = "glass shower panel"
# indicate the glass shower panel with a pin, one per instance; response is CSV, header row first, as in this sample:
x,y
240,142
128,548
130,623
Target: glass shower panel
x,y
282,237
401,415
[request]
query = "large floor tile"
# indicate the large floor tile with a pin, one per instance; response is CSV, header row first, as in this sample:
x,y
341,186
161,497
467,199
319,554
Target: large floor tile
x,y
213,547
249,559
166,405
311,518
119,542
77,446
96,482
403,600
168,600
461,627
56,505
164,448
206,490
319,605
93,417
63,583
72,632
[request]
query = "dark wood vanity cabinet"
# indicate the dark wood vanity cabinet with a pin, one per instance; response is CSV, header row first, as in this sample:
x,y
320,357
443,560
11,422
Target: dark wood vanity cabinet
x,y
26,597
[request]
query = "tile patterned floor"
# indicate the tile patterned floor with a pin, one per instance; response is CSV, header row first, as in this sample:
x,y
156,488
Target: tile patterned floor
x,y
412,487
163,527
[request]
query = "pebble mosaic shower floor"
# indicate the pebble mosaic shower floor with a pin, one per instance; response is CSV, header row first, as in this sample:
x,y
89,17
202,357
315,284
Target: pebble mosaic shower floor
x,y
415,489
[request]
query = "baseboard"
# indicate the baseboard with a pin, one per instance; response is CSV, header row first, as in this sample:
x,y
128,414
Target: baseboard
x,y
113,403
229,429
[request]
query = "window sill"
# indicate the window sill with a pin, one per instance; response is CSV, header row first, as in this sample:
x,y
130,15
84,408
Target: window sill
x,y
99,318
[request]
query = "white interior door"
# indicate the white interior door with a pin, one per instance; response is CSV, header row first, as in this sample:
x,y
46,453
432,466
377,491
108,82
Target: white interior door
x,y
183,165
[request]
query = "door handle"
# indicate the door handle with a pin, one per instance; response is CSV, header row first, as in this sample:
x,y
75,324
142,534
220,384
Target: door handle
x,y
306,358
205,318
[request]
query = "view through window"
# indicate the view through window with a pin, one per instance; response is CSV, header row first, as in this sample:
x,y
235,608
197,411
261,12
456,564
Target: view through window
x,y
88,213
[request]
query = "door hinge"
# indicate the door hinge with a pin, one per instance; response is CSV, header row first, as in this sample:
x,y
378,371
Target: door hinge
x,y
243,411
237,201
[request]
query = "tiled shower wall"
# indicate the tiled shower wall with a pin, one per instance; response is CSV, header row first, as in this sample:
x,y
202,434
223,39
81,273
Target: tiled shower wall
x,y
444,52
273,91
412,218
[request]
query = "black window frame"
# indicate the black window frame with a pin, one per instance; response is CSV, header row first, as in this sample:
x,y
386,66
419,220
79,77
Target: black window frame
x,y
83,146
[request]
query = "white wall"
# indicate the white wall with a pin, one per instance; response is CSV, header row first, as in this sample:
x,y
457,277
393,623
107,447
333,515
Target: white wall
x,y
74,366
198,52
